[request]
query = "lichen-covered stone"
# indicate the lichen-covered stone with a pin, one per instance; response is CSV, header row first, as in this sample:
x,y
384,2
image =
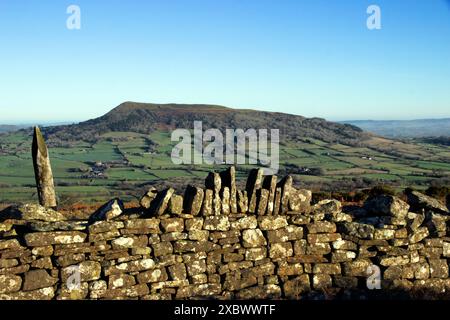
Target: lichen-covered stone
x,y
217,223
160,204
253,238
173,225
32,211
110,210
387,205
193,200
300,200
55,237
419,201
176,204
37,279
147,199
88,271
280,250
10,283
272,222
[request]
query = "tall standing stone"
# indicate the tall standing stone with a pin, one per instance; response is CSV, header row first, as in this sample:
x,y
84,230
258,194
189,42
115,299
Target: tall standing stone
x,y
270,183
226,201
207,206
242,201
277,201
193,199
286,186
214,182
43,171
229,180
254,182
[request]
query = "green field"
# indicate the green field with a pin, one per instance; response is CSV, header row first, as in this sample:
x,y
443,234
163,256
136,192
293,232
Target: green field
x,y
136,160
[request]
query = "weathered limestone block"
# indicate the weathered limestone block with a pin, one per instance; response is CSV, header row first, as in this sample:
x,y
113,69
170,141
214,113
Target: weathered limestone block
x,y
8,263
155,275
196,267
207,206
43,171
280,250
438,268
9,244
127,242
242,201
56,237
419,235
262,199
253,238
67,260
270,184
289,269
132,266
358,230
344,245
272,222
225,201
108,211
327,207
387,205
79,292
384,234
37,279
342,256
193,200
43,263
88,271
255,254
356,268
254,182
213,182
286,190
32,211
177,272
419,201
105,226
199,290
10,283
173,225
39,294
323,237
138,290
161,203
294,288
216,223
394,260
321,227
345,282
327,268
270,291
228,178
247,222
277,201
176,204
147,199
162,249
322,281
300,200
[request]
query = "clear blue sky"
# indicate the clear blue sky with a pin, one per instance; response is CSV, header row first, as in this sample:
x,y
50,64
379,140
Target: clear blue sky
x,y
314,58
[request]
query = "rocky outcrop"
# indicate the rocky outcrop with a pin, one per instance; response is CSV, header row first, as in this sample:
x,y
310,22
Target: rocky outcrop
x,y
180,247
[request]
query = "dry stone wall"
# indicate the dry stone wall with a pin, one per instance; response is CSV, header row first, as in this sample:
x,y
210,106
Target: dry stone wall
x,y
267,241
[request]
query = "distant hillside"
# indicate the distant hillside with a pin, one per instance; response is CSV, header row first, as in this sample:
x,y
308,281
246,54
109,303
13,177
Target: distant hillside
x,y
146,118
405,129
10,128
